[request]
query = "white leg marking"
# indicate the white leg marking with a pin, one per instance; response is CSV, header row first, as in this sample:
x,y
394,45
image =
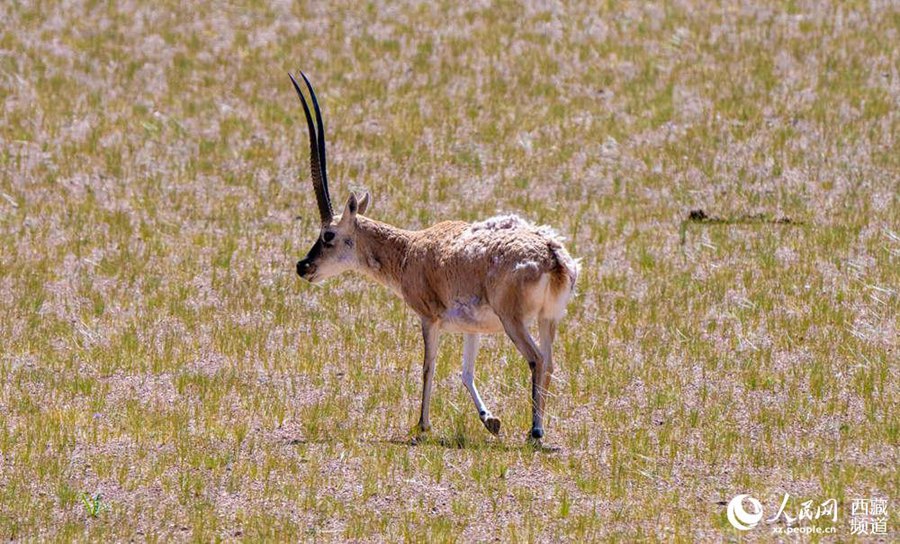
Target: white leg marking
x,y
470,351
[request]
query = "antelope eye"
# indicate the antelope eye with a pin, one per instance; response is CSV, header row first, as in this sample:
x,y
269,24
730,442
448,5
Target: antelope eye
x,y
328,236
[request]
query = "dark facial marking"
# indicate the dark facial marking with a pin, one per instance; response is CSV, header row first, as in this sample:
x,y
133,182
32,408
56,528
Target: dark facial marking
x,y
314,252
328,236
307,262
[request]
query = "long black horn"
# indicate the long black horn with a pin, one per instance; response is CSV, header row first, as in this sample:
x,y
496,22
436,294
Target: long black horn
x,y
320,130
316,152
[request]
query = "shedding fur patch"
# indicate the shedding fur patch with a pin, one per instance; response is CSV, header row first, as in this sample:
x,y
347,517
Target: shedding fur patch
x,y
512,221
501,223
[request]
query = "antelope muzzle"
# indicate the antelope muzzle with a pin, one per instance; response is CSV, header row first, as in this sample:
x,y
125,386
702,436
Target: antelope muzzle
x,y
306,268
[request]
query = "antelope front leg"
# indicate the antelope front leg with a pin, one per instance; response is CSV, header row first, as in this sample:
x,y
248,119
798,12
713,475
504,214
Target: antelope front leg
x,y
470,351
430,335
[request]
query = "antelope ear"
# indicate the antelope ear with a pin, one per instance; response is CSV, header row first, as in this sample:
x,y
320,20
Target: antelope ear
x,y
363,203
350,209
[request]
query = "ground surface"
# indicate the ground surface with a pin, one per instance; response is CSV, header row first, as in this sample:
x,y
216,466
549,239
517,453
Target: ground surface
x,y
157,348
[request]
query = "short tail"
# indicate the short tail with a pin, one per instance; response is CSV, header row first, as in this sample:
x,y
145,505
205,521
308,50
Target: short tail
x,y
565,275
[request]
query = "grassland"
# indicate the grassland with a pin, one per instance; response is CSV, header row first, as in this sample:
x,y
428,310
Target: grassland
x,y
157,348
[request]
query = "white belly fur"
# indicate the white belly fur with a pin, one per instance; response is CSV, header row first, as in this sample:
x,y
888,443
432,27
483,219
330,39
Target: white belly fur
x,y
470,316
474,315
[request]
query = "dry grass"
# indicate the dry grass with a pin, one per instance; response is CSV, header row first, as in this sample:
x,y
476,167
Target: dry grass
x,y
158,348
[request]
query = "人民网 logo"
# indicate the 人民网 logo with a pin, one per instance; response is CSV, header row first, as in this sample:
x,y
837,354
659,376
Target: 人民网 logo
x,y
741,519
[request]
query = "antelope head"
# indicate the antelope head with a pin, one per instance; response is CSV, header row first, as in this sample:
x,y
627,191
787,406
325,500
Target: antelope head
x,y
335,250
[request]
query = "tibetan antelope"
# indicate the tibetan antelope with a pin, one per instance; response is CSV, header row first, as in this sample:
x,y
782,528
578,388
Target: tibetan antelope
x,y
498,275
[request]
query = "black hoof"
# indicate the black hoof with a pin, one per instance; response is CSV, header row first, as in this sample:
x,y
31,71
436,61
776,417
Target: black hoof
x,y
492,424
537,434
